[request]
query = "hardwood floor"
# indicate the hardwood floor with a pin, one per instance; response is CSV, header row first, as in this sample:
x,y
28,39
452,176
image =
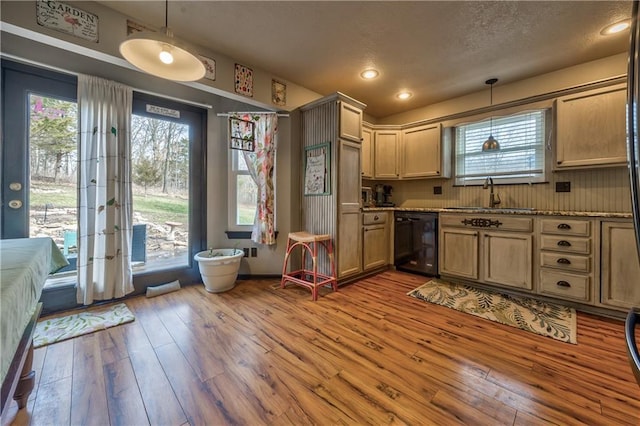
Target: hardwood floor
x,y
367,354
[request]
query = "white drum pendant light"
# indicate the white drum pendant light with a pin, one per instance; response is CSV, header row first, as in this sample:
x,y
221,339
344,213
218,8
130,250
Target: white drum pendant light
x,y
491,144
162,55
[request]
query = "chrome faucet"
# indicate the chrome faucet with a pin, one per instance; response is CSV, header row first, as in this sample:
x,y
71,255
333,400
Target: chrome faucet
x,y
494,199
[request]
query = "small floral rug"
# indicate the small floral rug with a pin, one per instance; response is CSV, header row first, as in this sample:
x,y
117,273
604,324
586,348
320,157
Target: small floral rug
x,y
54,330
525,313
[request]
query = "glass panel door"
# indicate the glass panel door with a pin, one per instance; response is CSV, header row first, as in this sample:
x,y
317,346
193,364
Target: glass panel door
x,y
160,165
39,178
53,192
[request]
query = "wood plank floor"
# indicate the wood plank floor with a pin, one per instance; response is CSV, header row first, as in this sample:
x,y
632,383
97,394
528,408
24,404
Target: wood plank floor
x,y
367,354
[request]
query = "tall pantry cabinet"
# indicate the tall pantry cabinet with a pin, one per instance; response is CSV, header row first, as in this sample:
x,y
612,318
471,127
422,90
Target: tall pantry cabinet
x,y
335,120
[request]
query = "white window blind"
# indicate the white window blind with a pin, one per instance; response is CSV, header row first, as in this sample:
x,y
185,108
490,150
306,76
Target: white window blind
x,y
521,155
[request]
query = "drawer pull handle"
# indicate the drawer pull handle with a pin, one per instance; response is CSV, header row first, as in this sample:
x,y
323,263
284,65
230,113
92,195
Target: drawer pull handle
x,y
564,243
563,284
564,226
564,261
376,217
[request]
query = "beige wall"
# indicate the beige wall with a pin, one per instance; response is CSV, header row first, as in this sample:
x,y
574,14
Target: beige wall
x,y
45,49
604,190
596,190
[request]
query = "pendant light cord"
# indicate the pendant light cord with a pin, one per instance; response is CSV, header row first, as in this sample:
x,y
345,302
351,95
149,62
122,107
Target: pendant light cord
x,y
166,14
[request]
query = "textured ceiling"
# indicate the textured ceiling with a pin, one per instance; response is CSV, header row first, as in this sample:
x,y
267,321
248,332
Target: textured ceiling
x,y
436,50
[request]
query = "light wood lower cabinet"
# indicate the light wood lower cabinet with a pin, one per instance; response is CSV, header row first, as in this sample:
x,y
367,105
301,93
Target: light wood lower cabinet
x,y
458,252
566,258
375,240
349,243
619,267
508,259
496,249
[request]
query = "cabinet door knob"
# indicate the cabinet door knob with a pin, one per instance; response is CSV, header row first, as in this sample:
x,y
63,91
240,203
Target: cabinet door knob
x,y
564,226
563,284
564,261
564,243
376,217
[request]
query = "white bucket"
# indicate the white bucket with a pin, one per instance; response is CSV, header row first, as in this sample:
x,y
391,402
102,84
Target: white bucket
x,y
219,268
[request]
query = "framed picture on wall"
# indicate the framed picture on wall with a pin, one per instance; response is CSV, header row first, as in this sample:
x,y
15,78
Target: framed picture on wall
x,y
243,80
241,134
317,161
209,67
278,93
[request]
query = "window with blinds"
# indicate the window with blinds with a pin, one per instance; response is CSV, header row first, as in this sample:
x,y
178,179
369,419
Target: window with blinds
x,y
521,155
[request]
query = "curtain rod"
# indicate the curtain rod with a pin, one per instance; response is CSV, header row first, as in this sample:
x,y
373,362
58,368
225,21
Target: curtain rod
x,y
65,71
228,114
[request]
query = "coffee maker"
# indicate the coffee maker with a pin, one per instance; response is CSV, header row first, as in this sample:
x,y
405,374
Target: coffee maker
x,y
383,194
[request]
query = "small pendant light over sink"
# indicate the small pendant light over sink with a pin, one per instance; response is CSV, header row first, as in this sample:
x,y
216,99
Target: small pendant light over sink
x,y
162,55
491,144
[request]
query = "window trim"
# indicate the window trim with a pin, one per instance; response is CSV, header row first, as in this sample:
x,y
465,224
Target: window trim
x,y
232,208
504,179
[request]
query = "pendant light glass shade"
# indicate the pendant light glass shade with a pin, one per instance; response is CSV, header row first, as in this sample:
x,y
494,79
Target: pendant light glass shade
x,y
491,144
162,55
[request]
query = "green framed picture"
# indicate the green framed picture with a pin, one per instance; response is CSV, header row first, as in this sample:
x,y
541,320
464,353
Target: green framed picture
x,y
317,173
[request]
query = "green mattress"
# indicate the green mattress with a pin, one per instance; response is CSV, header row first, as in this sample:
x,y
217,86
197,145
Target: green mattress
x,y
25,264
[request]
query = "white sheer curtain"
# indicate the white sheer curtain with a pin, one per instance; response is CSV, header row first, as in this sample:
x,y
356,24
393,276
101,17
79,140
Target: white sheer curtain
x,y
261,165
104,216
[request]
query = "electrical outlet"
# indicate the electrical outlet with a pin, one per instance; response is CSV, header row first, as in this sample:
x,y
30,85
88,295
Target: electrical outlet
x,y
254,251
437,190
246,251
563,186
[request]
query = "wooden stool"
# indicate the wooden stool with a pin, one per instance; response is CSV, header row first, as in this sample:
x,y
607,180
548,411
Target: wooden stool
x,y
310,278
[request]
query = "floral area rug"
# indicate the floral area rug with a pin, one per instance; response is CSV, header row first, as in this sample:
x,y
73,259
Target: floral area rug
x,y
54,330
525,313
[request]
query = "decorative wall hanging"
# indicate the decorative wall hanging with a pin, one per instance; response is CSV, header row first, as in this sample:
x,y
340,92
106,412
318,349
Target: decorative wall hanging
x,y
278,93
67,19
134,27
209,67
243,80
317,179
241,134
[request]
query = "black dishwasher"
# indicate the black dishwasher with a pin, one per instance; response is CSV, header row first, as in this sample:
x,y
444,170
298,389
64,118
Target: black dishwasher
x,y
416,242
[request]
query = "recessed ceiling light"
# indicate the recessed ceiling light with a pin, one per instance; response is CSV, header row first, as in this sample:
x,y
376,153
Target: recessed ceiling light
x,y
404,95
616,27
369,74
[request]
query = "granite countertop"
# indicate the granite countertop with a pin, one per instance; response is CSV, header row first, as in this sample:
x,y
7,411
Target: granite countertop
x,y
506,210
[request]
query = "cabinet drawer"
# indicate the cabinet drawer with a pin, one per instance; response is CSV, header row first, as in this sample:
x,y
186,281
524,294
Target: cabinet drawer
x,y
568,262
374,218
562,284
489,222
565,244
580,228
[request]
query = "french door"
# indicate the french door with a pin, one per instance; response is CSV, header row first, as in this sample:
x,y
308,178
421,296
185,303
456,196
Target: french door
x,y
39,177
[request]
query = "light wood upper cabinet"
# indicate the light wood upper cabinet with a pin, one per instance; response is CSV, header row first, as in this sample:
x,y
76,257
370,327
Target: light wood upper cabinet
x,y
350,122
386,146
619,266
591,128
421,153
366,153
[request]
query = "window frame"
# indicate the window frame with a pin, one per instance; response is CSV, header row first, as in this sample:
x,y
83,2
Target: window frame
x,y
232,178
547,132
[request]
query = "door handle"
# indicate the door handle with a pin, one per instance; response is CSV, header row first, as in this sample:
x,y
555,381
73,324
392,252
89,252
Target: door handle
x,y
564,226
563,284
564,243
563,261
